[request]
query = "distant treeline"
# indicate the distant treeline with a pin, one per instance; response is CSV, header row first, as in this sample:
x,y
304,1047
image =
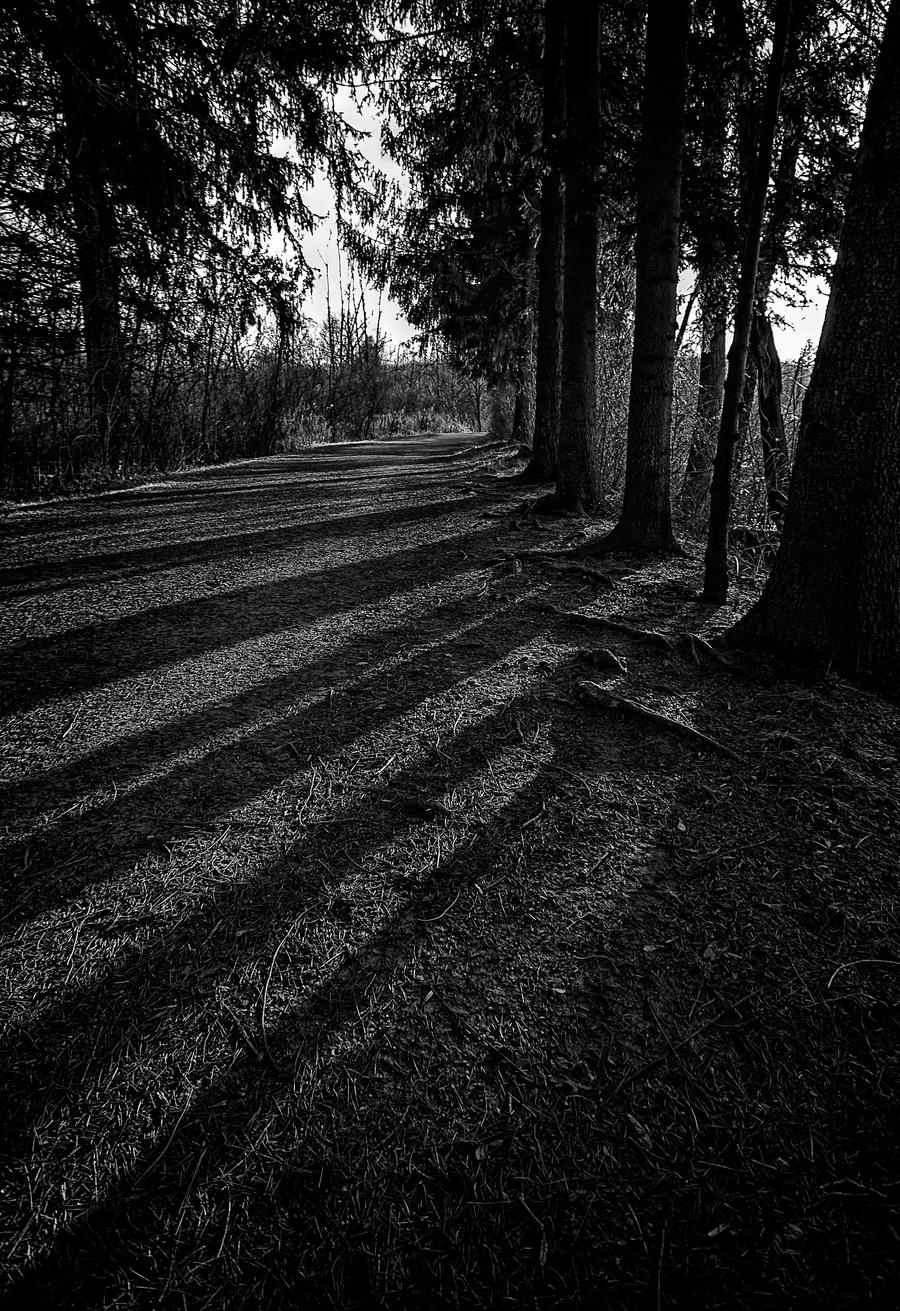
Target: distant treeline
x,y
202,388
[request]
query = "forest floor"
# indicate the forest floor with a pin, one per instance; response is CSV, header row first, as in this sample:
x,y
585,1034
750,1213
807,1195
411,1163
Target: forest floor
x,y
351,958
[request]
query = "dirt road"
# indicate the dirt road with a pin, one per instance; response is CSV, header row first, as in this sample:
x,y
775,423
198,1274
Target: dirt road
x,y
349,960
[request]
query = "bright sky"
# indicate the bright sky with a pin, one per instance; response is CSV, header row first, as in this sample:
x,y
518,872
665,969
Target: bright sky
x,y
802,325
320,249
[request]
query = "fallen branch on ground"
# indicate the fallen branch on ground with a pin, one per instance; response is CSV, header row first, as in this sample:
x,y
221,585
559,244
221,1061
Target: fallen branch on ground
x,y
610,701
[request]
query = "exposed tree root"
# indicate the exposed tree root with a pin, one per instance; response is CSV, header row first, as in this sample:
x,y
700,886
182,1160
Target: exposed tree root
x,y
603,658
617,541
512,564
690,645
610,701
596,576
696,646
618,626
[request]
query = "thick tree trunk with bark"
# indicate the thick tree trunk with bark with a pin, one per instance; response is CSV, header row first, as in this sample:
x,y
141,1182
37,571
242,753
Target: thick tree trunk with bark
x,y
834,591
698,474
776,457
578,475
646,519
715,582
97,265
548,354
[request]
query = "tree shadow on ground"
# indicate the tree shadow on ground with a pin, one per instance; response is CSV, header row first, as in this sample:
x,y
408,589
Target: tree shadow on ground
x,y
81,850
555,1012
42,577
495,1092
79,659
240,498
332,669
283,477
162,981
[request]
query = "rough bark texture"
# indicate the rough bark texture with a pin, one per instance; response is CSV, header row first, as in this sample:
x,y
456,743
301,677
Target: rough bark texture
x,y
698,474
578,479
548,353
97,266
776,457
646,519
715,582
834,591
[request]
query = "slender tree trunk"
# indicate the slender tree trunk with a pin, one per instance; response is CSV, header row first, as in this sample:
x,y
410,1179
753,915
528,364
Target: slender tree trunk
x,y
522,408
646,519
732,23
698,474
548,355
712,284
745,418
523,404
578,476
476,403
780,212
834,591
685,319
9,363
763,364
776,458
715,584
98,272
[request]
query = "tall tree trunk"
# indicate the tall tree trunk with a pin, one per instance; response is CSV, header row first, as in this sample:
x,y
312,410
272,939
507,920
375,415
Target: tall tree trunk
x,y
776,458
731,20
715,583
578,473
764,365
745,418
523,377
780,212
9,365
685,319
548,354
522,406
646,519
712,283
98,272
698,474
834,591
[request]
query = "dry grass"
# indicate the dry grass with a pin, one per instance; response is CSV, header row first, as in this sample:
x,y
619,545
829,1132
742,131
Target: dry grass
x,y
352,961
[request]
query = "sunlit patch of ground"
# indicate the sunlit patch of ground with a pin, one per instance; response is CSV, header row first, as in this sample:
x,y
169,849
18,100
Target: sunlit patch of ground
x,y
349,959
